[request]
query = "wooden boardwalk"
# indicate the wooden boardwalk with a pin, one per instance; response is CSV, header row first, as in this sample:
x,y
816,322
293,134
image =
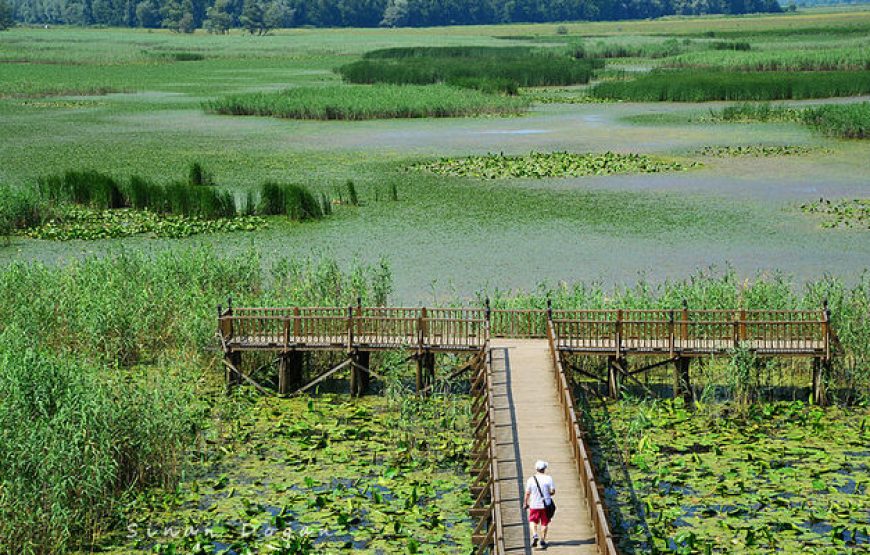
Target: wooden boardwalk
x,y
523,407
529,426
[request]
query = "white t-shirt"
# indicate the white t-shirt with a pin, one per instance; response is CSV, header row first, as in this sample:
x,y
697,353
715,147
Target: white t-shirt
x,y
547,488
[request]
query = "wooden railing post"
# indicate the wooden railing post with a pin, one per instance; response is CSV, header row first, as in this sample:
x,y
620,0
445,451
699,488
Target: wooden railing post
x,y
684,325
742,332
672,333
618,333
350,328
297,324
826,329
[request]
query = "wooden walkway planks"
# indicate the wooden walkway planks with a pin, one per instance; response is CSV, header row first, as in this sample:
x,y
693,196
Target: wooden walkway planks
x,y
529,426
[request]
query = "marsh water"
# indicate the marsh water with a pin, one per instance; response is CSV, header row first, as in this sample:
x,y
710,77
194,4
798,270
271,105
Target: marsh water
x,y
740,212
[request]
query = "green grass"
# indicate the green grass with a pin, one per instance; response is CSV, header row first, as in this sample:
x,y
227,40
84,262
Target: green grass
x,y
702,86
362,102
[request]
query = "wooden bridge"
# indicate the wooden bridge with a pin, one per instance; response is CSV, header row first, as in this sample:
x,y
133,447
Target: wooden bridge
x,y
523,403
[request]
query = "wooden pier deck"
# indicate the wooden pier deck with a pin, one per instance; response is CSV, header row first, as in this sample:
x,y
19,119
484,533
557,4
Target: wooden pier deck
x,y
529,425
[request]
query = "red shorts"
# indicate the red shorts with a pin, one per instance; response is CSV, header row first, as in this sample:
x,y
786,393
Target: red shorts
x,y
539,516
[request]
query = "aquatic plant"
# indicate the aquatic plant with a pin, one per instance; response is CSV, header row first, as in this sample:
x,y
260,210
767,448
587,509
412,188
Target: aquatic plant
x,y
294,201
850,213
549,164
491,69
363,102
691,85
708,478
87,224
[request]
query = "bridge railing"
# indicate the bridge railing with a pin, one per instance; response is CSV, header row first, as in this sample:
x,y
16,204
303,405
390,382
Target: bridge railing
x,y
653,331
696,332
488,533
581,452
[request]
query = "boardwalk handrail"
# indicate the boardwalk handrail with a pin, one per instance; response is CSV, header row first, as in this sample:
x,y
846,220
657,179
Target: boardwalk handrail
x,y
598,331
488,533
580,451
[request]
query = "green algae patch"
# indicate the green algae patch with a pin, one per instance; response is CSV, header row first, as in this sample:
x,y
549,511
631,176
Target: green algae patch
x,y
783,477
538,165
323,474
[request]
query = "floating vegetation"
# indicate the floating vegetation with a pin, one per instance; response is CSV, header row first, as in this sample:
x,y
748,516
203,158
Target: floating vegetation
x,y
78,222
550,164
780,477
362,102
845,213
561,96
330,473
754,150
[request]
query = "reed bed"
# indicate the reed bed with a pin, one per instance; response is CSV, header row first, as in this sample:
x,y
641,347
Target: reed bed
x,y
847,121
102,191
107,381
854,58
699,86
489,69
363,102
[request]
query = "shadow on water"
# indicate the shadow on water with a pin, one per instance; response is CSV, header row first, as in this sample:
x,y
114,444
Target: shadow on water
x,y
614,475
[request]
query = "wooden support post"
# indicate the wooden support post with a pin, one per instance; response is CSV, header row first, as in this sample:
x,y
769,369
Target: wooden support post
x,y
819,381
290,371
359,378
364,359
682,382
235,360
425,371
419,375
429,359
612,377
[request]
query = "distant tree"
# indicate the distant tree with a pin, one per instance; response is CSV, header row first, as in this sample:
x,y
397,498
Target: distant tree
x,y
252,18
148,14
277,15
6,20
395,14
219,18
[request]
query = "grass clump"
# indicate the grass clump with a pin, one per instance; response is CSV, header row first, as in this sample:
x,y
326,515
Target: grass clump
x,y
849,121
101,191
552,164
22,208
490,69
294,201
701,86
367,102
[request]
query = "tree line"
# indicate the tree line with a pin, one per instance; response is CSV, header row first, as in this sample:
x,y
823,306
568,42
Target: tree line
x,y
260,16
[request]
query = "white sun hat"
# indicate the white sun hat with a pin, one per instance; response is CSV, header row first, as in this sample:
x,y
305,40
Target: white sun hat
x,y
541,465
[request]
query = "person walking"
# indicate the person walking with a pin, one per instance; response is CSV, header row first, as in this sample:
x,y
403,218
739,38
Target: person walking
x,y
539,502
